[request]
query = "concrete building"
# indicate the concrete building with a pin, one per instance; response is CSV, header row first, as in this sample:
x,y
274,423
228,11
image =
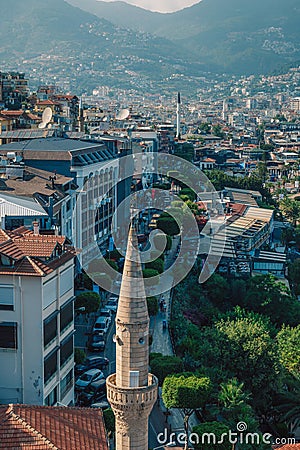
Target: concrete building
x,y
36,327
13,88
132,391
94,167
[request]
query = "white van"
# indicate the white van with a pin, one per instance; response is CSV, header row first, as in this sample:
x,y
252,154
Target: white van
x,y
101,324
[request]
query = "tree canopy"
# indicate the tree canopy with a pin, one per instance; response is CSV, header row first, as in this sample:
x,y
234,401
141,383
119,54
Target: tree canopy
x,y
88,300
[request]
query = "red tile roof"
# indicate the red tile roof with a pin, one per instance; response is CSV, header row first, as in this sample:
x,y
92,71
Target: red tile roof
x,y
12,113
286,447
43,427
31,252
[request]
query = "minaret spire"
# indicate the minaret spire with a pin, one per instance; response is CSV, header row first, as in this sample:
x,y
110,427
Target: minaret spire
x,y
132,391
178,116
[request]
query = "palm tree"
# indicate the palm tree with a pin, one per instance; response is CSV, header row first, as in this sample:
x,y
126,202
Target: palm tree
x,y
232,394
290,209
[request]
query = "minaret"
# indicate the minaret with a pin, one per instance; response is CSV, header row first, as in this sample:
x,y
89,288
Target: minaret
x,y
80,117
178,116
132,391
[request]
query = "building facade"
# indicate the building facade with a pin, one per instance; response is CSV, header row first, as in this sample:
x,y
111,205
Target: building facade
x,y
37,325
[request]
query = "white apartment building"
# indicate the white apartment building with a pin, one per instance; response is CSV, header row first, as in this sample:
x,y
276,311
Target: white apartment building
x,y
36,318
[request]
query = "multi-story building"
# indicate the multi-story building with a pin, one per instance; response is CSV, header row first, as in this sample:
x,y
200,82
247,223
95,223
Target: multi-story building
x,y
94,167
13,89
37,325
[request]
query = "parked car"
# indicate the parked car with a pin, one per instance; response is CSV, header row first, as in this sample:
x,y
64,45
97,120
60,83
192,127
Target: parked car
x,y
103,404
106,312
112,305
101,324
88,377
95,392
96,342
91,362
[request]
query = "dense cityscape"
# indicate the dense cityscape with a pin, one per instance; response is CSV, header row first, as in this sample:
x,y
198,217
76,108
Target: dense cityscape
x,y
120,326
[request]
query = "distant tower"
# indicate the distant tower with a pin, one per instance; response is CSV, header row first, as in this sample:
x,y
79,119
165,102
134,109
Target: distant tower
x,y
224,110
80,117
178,116
132,391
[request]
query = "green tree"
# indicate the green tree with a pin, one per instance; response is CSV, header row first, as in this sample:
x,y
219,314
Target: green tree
x,y
210,435
288,340
168,225
187,392
266,295
157,264
218,131
162,366
232,394
217,290
290,210
234,404
250,353
152,304
110,422
294,275
149,273
79,356
204,127
89,300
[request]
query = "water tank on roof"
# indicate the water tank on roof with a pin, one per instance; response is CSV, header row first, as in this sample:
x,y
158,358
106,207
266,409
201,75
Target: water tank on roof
x,y
11,155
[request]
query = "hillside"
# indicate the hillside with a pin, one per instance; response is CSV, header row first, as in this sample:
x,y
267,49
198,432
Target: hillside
x,y
231,35
54,40
58,40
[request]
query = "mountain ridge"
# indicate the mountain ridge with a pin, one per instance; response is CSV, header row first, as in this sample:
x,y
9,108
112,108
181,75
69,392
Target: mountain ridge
x,y
59,40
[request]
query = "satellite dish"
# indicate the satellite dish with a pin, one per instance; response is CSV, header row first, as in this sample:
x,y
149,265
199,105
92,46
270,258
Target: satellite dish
x,y
122,114
46,117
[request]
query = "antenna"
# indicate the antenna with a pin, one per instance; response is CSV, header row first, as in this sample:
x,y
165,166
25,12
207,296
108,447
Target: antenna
x,y
122,114
46,117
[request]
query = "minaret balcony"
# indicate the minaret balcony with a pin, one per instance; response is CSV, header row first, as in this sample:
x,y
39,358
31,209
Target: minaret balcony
x,y
142,397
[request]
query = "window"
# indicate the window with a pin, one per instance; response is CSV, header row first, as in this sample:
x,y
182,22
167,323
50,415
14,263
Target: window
x,y
66,280
66,350
66,384
8,335
50,329
6,297
66,316
50,365
51,399
49,292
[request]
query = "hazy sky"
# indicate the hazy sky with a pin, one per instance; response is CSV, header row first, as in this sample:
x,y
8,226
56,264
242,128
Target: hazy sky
x,y
161,5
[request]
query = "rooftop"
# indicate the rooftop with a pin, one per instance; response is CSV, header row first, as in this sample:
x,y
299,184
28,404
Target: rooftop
x,y
44,427
25,253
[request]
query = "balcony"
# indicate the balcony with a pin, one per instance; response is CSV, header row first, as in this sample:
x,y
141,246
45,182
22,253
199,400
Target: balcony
x,y
140,398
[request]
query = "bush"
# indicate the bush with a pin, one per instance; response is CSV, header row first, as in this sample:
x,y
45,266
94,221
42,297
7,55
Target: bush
x,y
149,273
157,265
152,304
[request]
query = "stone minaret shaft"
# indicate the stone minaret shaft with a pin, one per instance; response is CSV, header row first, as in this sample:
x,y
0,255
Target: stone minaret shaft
x,y
132,391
